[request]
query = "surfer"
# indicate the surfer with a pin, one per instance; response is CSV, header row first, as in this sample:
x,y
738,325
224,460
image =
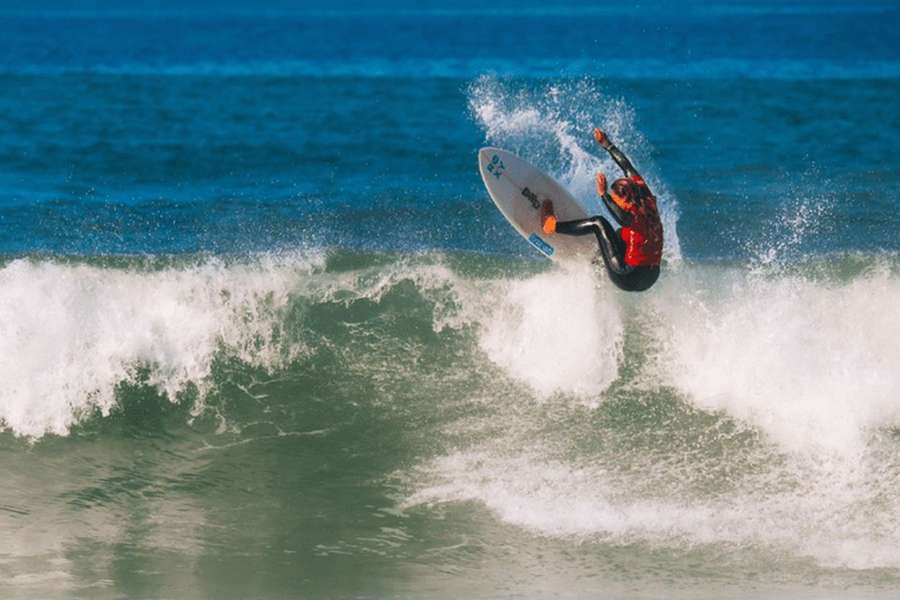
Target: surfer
x,y
632,253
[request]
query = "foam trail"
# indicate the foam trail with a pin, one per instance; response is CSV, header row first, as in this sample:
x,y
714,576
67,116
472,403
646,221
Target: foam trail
x,y
587,499
70,333
551,127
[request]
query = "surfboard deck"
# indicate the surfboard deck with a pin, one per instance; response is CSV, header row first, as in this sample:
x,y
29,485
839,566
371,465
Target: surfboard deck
x,y
518,189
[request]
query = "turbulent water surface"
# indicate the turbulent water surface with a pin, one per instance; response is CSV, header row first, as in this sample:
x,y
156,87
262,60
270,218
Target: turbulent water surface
x,y
263,334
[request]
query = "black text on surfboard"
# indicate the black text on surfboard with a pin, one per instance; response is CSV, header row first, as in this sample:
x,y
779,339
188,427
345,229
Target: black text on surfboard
x,y
532,197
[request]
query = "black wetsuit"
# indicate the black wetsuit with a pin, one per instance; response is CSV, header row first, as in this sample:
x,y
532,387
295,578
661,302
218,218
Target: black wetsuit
x,y
612,247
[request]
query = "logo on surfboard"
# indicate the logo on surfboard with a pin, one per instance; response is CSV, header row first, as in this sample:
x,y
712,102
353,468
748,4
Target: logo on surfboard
x,y
540,244
496,166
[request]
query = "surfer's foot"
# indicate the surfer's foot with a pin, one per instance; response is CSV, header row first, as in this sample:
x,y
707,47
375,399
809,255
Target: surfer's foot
x,y
601,184
548,219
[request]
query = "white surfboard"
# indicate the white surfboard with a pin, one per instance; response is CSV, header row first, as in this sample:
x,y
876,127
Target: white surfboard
x,y
518,189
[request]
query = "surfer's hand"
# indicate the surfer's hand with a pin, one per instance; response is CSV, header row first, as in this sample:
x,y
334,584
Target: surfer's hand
x,y
601,137
601,184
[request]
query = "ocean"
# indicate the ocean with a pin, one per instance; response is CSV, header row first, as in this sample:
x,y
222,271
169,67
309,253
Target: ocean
x,y
263,334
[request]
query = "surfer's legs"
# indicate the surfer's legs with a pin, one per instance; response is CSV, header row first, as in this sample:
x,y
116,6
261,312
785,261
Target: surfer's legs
x,y
612,248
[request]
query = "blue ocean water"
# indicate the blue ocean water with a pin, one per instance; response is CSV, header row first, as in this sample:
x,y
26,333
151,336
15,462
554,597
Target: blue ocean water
x,y
198,129
263,333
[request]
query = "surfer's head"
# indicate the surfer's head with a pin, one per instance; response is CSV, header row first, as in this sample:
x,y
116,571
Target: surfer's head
x,y
625,191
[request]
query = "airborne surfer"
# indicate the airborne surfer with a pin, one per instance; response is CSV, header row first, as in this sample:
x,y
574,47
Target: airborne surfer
x,y
632,253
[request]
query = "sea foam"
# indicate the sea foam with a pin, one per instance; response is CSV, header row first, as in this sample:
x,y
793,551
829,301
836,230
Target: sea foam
x,y
560,331
811,363
70,333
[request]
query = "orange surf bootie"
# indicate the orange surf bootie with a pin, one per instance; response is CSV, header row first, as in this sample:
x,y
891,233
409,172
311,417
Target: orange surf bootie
x,y
548,219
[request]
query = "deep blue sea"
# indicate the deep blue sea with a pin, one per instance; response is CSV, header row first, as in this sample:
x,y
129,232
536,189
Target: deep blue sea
x,y
264,334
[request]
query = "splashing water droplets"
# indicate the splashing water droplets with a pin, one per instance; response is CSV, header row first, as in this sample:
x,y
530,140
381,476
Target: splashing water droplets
x,y
551,128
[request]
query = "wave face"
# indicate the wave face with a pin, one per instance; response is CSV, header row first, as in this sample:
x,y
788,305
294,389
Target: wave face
x,y
726,408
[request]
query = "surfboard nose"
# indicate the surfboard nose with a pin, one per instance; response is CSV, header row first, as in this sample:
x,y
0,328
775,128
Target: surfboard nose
x,y
485,154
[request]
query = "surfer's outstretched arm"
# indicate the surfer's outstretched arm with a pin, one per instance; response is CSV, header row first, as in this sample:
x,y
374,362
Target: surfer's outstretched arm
x,y
615,153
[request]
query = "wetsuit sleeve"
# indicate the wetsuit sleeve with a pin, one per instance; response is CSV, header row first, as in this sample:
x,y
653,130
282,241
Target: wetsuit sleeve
x,y
621,160
624,218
